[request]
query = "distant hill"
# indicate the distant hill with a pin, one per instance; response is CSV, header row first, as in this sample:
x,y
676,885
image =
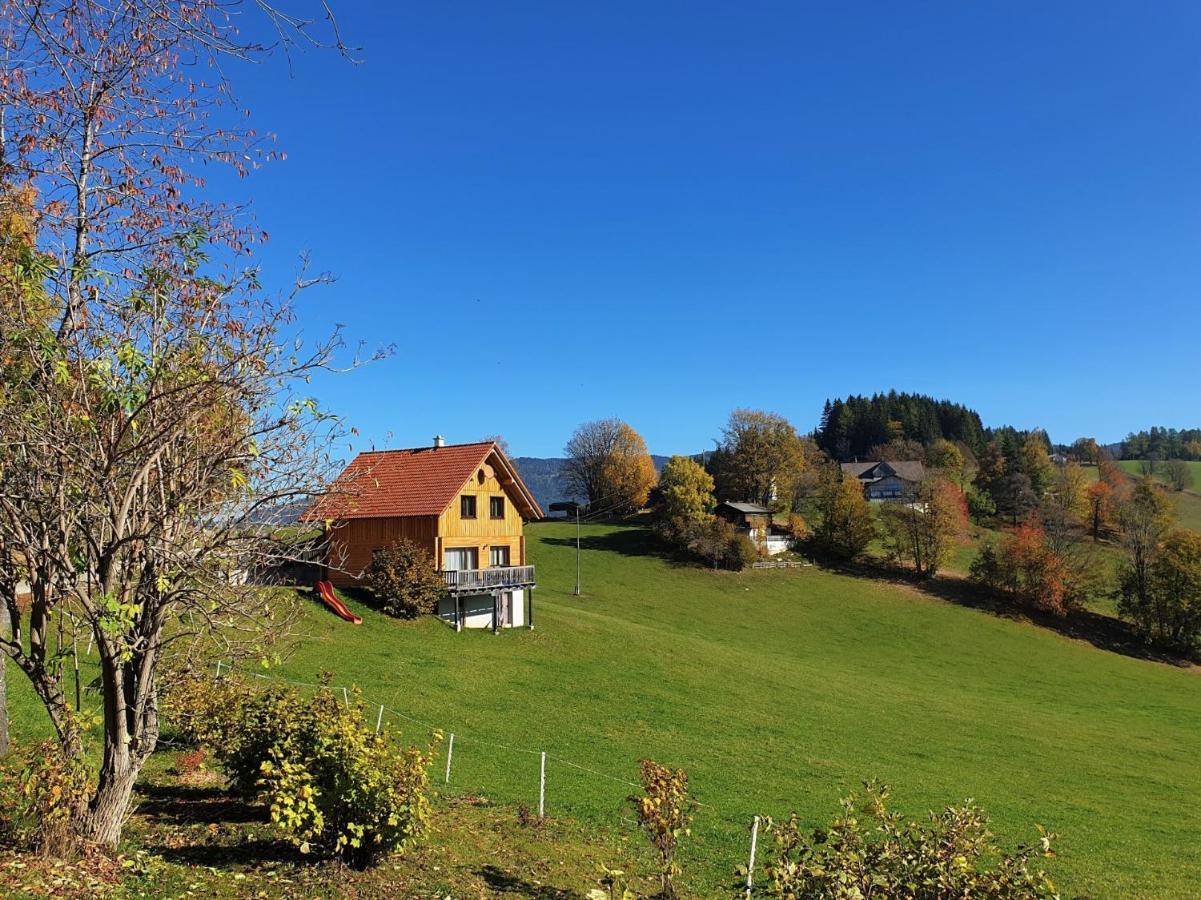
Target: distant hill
x,y
544,478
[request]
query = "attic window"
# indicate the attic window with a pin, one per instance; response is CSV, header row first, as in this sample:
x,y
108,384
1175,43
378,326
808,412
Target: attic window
x,y
480,476
467,506
496,507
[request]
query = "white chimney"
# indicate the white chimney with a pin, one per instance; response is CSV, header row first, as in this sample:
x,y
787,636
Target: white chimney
x,y
439,441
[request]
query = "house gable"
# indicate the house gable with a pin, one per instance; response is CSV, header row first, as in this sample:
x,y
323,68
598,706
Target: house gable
x,y
484,484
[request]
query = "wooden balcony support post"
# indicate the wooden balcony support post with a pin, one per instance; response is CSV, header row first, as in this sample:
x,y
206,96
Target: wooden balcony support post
x,y
495,610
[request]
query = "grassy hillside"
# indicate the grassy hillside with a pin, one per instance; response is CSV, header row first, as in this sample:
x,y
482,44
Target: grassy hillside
x,y
781,690
1188,503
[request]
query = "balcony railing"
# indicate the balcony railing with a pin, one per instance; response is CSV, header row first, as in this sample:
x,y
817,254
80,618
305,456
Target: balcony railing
x,y
463,581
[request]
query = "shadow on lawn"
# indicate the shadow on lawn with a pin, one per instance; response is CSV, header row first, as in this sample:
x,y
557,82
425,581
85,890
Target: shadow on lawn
x,y
246,852
186,805
501,882
626,542
1102,631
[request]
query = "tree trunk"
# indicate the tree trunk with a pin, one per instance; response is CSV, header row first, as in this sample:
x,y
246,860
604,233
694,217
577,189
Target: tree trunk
x,y
105,814
3,685
130,735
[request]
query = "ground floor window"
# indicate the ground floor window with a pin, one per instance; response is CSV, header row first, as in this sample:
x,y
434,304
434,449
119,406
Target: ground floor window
x,y
498,556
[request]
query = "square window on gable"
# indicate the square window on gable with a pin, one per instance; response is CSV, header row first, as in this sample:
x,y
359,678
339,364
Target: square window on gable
x,y
467,506
496,507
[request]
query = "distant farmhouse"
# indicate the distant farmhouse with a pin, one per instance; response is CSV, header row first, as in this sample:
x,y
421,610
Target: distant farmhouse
x,y
464,504
755,522
897,480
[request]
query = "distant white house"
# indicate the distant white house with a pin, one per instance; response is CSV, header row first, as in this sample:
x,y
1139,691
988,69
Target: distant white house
x,y
896,480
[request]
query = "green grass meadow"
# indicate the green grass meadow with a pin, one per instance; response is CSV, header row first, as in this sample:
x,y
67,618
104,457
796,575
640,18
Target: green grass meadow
x,y
781,690
1188,503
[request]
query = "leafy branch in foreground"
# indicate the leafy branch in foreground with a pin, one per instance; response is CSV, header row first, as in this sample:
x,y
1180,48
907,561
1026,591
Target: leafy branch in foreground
x,y
871,851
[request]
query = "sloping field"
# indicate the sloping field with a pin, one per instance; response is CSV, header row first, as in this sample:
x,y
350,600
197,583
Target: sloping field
x,y
1188,503
782,690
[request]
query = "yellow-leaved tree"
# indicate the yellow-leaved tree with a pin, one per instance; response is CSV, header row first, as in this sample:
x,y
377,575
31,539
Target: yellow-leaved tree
x,y
628,473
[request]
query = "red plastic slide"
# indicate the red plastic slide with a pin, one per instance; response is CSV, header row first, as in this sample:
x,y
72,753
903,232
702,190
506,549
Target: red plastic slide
x,y
326,591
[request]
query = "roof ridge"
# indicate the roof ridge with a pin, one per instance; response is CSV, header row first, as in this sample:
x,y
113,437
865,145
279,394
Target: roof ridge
x,y
430,447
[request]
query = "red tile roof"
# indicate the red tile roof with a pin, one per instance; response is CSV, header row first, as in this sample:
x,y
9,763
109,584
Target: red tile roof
x,y
421,481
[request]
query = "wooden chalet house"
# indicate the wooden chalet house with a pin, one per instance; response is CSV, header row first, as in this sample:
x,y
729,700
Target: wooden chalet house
x,y
892,480
756,522
465,504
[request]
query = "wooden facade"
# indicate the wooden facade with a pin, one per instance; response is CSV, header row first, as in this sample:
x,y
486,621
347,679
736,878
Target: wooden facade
x,y
428,488
351,543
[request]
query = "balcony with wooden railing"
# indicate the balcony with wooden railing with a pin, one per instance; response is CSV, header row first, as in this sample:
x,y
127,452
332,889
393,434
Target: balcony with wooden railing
x,y
483,581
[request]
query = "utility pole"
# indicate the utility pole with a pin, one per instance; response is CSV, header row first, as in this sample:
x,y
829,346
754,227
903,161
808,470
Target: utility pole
x,y
576,592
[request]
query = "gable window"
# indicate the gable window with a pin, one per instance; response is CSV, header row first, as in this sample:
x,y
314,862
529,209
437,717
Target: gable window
x,y
496,507
498,556
467,506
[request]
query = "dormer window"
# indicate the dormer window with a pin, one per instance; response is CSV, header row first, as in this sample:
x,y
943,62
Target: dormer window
x,y
467,506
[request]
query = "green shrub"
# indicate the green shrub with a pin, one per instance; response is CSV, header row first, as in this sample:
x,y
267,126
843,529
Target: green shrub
x,y
240,727
869,851
721,545
741,553
335,785
331,783
404,580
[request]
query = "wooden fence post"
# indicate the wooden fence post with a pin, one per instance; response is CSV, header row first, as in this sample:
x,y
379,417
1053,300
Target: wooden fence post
x,y
542,787
750,866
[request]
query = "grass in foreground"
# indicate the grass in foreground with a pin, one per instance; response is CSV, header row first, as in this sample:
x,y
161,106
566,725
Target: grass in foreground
x,y
781,690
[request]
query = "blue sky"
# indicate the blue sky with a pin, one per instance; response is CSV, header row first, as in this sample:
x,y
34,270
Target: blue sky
x,y
662,211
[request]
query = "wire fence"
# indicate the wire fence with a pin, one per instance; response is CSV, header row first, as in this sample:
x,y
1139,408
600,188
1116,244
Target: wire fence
x,y
454,762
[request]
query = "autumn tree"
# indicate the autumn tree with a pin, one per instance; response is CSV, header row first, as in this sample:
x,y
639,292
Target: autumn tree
x,y
898,449
1025,565
160,408
686,499
607,462
1066,502
945,457
1104,497
1169,612
1086,451
761,457
1014,496
1178,475
847,524
923,533
991,468
629,473
1034,462
1144,518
